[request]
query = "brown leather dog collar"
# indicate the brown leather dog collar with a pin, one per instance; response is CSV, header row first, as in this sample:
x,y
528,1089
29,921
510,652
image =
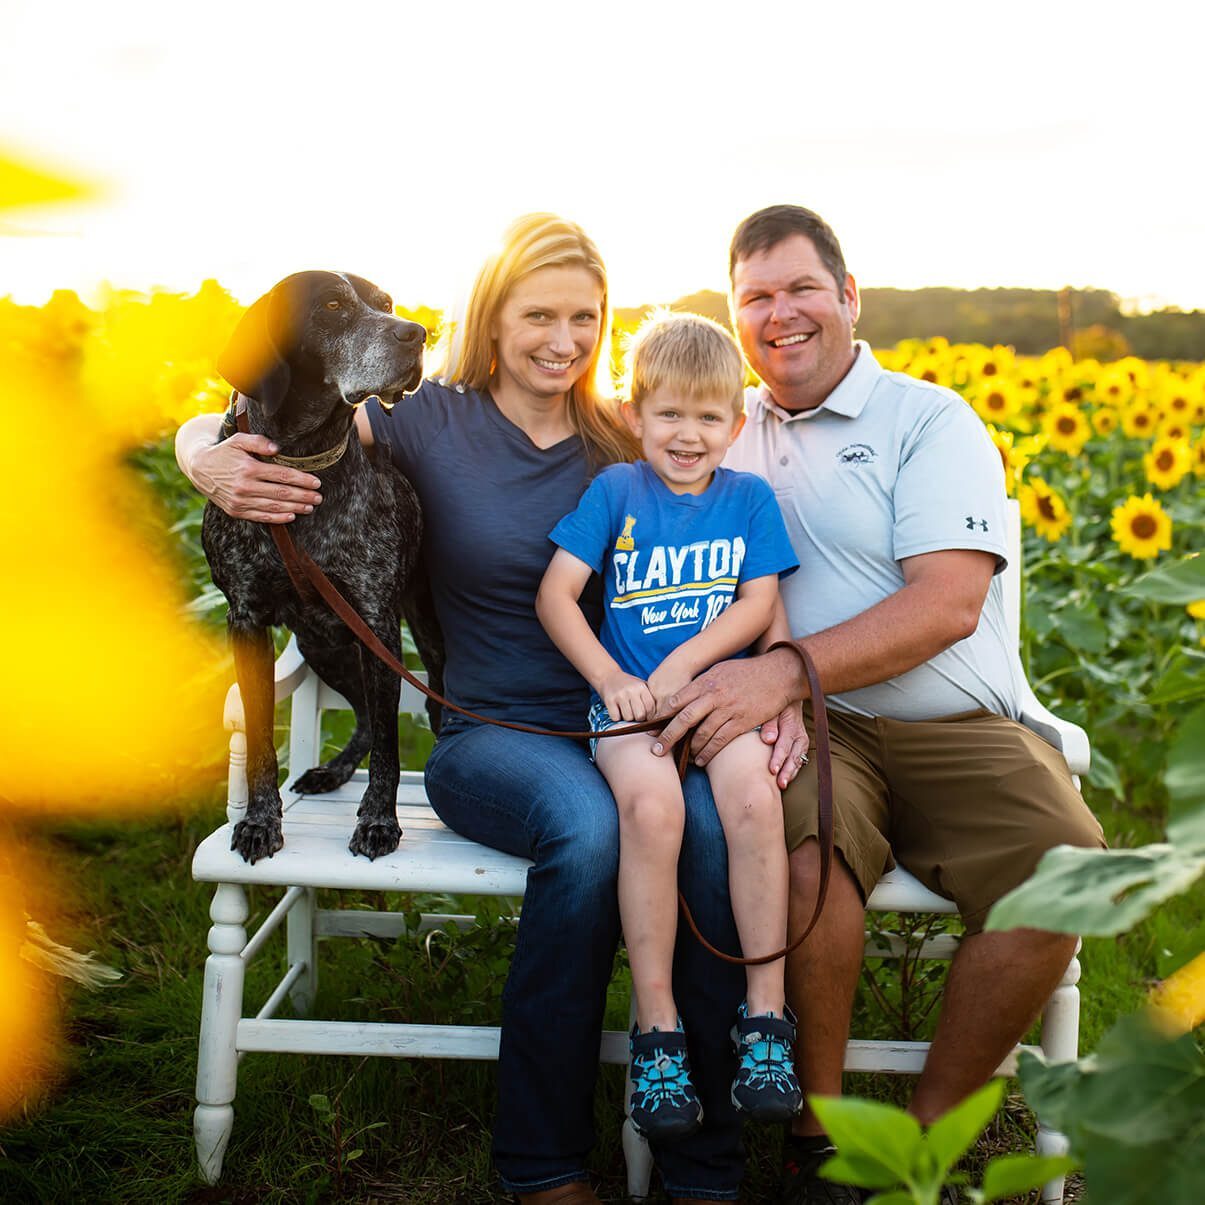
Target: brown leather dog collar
x,y
308,464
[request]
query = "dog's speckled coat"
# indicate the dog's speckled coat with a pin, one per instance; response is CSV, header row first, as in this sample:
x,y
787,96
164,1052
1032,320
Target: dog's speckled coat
x,y
303,356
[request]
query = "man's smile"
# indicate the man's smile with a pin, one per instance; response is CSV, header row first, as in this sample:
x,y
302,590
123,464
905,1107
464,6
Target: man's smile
x,y
790,340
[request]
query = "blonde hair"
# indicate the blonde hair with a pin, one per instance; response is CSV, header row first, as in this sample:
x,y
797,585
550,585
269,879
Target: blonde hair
x,y
688,354
534,241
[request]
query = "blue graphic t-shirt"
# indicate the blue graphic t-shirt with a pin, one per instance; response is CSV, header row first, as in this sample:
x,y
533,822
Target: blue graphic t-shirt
x,y
670,563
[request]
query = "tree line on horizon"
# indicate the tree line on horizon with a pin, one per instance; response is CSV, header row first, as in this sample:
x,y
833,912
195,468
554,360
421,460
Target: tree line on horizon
x,y
1092,323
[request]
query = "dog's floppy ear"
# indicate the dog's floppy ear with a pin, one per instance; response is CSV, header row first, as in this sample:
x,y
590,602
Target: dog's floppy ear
x,y
252,362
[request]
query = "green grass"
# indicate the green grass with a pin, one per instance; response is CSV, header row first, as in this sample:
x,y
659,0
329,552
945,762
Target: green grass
x,y
115,1122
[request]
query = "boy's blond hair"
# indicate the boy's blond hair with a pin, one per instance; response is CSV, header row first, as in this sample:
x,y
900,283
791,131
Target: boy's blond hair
x,y
688,354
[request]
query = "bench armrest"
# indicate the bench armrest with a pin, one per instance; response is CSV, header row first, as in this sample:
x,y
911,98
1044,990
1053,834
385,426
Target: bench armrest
x,y
290,671
1068,738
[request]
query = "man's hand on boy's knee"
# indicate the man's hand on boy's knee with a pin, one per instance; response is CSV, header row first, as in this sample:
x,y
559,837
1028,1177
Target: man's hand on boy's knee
x,y
665,681
730,698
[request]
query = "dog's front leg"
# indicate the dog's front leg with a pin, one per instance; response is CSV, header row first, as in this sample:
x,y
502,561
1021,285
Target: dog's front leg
x,y
259,835
377,830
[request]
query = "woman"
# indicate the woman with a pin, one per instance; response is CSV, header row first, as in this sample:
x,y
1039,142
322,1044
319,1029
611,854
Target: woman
x,y
499,449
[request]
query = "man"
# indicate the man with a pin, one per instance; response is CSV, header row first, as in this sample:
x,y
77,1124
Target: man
x,y
894,500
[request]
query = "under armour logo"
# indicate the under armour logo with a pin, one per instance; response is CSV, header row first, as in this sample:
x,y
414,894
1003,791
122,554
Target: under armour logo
x,y
972,523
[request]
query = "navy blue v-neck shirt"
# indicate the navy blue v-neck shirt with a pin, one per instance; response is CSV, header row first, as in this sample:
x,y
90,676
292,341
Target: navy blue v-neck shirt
x,y
490,497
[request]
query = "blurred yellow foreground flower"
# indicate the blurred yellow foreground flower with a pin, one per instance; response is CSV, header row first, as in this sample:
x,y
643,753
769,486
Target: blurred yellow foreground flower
x,y
1180,999
1142,527
112,696
23,183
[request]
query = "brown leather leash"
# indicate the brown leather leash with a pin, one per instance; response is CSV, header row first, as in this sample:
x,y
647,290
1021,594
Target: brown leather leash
x,y
310,581
824,818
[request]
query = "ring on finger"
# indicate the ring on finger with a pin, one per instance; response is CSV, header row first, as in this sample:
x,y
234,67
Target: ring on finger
x,y
802,759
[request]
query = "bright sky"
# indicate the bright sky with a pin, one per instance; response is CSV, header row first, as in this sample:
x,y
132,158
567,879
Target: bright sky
x,y
1029,144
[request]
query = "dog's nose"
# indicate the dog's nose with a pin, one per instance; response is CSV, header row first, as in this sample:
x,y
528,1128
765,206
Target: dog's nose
x,y
410,334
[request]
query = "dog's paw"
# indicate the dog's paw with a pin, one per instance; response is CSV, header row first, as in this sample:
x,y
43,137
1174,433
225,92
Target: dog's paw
x,y
375,838
321,779
256,839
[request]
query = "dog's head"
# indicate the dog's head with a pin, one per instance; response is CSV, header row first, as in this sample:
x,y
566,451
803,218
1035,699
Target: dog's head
x,y
323,339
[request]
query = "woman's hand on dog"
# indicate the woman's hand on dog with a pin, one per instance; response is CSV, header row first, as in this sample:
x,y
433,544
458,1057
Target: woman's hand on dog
x,y
230,476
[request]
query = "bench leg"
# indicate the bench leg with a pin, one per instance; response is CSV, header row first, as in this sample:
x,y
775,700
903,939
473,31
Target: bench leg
x,y
1060,1044
636,1153
221,1009
303,947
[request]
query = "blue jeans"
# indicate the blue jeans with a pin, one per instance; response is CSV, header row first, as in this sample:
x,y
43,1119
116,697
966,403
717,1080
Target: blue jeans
x,y
541,798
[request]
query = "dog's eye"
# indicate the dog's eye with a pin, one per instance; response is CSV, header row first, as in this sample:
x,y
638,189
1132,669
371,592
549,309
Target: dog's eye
x,y
333,305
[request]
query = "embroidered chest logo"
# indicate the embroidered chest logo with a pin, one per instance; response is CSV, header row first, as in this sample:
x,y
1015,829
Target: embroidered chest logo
x,y
857,454
972,523
624,541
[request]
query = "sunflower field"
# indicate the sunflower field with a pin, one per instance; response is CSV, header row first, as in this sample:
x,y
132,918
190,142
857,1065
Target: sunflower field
x,y
1106,460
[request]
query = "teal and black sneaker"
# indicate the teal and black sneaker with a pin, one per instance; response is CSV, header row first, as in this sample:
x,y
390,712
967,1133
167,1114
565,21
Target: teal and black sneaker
x,y
663,1104
765,1086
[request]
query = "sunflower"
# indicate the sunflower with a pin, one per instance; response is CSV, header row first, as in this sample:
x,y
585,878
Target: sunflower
x,y
1197,609
1175,428
996,401
1015,455
1071,392
1198,458
1167,463
1028,375
1066,428
1139,420
933,369
1114,385
1141,527
1044,510
1104,420
1055,361
991,362
1136,369
1174,400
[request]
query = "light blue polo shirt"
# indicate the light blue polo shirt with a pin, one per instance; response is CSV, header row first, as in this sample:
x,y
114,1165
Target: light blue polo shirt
x,y
887,467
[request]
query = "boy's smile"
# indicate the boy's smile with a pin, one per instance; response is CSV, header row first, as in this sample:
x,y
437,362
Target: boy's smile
x,y
684,439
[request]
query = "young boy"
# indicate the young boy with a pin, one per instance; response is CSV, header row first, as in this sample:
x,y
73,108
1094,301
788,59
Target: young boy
x,y
690,555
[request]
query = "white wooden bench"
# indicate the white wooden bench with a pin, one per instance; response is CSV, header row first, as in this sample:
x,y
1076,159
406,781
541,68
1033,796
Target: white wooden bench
x,y
431,858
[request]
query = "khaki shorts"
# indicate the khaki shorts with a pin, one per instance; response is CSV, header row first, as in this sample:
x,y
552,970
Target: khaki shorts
x,y
967,803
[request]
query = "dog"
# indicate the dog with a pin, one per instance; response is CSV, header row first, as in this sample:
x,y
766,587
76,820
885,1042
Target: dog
x,y
303,357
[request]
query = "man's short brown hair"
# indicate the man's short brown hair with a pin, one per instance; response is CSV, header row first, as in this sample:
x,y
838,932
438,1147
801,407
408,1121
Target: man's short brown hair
x,y
770,226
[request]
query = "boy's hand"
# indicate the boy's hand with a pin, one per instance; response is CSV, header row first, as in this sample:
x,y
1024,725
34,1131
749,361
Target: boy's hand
x,y
627,697
790,740
666,680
